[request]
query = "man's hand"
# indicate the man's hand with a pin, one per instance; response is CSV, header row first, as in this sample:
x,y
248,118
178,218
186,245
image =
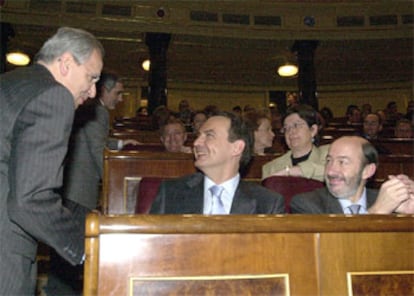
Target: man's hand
x,y
395,195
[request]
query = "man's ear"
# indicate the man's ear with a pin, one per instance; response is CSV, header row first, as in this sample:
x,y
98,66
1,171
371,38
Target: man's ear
x,y
369,171
238,147
65,61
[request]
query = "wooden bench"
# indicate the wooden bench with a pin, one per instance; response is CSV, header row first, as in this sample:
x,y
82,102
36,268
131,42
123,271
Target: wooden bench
x,y
249,255
145,136
124,170
397,145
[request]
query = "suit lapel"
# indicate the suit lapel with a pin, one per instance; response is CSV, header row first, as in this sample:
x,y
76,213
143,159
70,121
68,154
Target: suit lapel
x,y
243,203
371,197
193,199
331,203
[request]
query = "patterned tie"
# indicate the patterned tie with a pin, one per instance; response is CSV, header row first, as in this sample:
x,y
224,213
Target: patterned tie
x,y
218,206
354,209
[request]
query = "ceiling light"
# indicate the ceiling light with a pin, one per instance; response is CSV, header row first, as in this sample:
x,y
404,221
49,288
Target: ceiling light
x,y
18,58
287,70
146,65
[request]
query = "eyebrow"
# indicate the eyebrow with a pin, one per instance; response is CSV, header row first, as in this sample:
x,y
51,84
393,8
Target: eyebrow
x,y
340,156
209,131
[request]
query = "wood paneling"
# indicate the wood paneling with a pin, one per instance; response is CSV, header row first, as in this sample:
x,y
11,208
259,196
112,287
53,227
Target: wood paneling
x,y
311,254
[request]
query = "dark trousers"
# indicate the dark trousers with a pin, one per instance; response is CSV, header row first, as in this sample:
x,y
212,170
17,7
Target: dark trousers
x,y
64,278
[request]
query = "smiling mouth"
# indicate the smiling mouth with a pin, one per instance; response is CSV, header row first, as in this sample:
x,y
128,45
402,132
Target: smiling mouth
x,y
334,181
199,154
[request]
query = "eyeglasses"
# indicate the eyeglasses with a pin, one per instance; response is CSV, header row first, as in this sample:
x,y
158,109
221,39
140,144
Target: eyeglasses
x,y
295,126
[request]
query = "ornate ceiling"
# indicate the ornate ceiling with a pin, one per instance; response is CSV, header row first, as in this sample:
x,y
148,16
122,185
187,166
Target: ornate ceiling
x,y
234,43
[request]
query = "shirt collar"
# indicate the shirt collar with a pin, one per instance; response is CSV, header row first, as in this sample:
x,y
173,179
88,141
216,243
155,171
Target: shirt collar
x,y
345,203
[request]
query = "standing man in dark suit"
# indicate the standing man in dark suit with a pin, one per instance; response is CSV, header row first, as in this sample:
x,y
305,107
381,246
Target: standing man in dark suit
x,y
37,106
90,136
224,145
350,162
83,172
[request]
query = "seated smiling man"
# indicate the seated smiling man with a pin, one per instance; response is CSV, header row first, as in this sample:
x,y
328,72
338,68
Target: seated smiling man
x,y
224,145
173,136
350,162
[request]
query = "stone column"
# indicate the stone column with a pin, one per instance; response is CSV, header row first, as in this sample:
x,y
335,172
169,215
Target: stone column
x,y
157,82
305,51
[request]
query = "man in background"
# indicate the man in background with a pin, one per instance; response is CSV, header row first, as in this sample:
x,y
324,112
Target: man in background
x,y
37,106
174,135
350,162
371,130
403,129
90,136
371,126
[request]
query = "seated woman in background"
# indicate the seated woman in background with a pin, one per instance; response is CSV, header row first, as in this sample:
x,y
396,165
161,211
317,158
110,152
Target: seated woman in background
x,y
304,159
260,122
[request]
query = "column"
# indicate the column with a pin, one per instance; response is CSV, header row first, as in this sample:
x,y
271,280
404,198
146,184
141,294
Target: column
x,y
305,51
157,80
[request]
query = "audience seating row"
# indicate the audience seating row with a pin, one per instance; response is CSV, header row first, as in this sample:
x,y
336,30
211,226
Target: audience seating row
x,y
249,255
150,137
125,170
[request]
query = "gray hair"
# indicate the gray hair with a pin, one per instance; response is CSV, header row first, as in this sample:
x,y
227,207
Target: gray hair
x,y
107,81
78,42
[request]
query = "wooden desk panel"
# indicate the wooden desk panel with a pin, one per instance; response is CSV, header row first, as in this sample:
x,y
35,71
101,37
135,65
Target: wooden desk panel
x,y
289,255
363,252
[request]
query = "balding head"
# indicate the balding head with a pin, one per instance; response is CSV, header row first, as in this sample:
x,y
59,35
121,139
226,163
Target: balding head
x,y
358,147
350,162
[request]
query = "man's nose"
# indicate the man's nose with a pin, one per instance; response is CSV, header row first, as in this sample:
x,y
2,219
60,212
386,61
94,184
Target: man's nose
x,y
198,141
92,91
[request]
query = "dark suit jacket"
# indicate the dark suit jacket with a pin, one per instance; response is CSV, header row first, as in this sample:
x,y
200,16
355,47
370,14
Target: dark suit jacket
x,y
36,114
84,162
321,201
186,196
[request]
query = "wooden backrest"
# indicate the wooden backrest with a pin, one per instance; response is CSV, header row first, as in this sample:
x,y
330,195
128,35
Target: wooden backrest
x,y
393,165
123,170
249,255
397,146
145,136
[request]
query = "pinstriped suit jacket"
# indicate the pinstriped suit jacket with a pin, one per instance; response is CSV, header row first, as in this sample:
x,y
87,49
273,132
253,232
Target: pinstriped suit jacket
x,y
186,196
321,201
36,119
